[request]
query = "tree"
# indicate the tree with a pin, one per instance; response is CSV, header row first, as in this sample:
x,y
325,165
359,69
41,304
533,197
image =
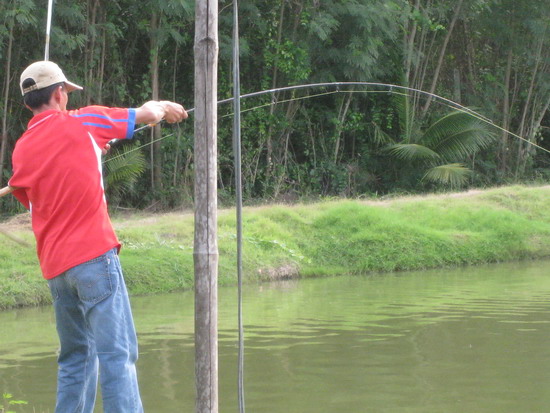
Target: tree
x,y
442,147
507,61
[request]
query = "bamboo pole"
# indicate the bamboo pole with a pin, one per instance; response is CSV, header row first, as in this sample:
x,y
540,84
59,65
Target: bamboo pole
x,y
238,196
206,248
48,30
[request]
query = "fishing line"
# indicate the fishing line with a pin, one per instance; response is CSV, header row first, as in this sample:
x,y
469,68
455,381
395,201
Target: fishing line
x,y
139,147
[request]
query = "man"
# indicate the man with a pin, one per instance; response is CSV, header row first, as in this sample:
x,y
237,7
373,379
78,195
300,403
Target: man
x,y
57,173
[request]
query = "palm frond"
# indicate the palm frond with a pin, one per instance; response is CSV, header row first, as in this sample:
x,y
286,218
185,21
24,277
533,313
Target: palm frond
x,y
379,136
401,104
466,143
454,175
122,169
405,113
458,135
412,152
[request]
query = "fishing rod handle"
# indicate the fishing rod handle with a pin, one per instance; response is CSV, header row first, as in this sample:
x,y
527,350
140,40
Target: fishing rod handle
x,y
6,190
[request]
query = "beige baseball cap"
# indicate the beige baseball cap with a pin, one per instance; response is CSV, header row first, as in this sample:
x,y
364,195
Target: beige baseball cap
x,y
45,74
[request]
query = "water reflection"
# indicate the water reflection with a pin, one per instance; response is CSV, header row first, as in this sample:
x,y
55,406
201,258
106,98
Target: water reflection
x,y
463,340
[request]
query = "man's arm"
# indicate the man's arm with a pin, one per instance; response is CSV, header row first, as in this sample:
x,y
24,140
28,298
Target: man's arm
x,y
154,111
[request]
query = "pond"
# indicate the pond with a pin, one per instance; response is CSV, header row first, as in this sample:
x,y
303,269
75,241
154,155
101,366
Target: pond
x,y
474,339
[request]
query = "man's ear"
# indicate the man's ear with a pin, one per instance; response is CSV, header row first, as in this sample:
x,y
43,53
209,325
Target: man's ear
x,y
57,94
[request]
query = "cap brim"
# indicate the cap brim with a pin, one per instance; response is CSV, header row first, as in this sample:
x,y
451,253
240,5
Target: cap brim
x,y
72,86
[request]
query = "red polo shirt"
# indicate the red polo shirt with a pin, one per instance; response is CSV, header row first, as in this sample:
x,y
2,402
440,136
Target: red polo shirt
x,y
57,165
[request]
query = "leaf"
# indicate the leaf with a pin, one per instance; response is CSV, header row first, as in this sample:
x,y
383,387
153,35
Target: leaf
x,y
454,175
412,152
379,136
123,168
458,135
323,26
14,402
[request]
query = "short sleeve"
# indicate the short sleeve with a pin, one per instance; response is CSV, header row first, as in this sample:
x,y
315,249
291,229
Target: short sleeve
x,y
21,196
105,124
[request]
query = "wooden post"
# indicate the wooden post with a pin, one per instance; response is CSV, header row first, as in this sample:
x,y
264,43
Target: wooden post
x,y
206,246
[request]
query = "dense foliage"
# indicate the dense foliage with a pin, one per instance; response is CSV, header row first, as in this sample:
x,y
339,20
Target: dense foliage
x,y
491,55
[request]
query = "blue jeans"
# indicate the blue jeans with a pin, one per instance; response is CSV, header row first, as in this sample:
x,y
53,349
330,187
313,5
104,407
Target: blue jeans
x,y
96,329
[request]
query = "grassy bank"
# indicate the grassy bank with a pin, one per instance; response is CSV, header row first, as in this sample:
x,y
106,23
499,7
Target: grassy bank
x,y
326,238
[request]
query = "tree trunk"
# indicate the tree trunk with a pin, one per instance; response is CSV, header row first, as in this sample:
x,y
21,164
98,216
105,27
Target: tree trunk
x,y
471,55
177,154
344,107
537,115
156,159
504,149
424,49
522,152
410,36
457,93
274,96
3,146
101,74
90,49
442,55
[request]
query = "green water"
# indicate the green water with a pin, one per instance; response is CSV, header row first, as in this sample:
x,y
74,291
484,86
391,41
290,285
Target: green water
x,y
475,339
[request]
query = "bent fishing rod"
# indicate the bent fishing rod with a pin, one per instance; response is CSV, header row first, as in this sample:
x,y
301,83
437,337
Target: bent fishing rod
x,y
395,89
339,85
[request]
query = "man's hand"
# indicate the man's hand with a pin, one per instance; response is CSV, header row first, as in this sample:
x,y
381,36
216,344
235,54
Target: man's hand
x,y
153,112
173,112
106,149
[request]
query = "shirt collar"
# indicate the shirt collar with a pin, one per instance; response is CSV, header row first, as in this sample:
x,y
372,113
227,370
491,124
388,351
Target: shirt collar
x,y
42,116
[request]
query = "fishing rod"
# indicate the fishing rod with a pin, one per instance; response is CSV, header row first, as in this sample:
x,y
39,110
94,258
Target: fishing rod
x,y
151,125
339,85
391,88
6,190
395,89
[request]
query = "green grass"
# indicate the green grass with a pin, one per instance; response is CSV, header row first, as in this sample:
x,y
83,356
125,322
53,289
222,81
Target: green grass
x,y
325,238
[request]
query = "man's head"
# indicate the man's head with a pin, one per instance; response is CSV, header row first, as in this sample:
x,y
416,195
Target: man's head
x,y
40,80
